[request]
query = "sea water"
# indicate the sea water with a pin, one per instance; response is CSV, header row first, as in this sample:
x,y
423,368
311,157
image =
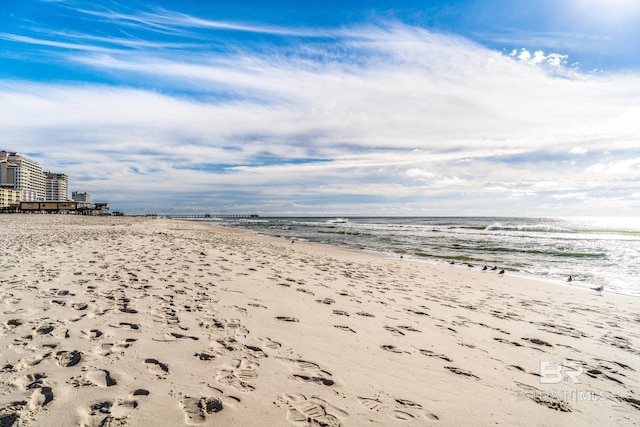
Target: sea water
x,y
593,251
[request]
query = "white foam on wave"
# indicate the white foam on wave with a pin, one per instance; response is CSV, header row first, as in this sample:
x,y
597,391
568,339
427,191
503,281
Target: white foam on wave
x,y
544,228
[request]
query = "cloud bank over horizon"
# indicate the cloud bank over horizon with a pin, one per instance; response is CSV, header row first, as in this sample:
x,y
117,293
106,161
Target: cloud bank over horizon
x,y
164,111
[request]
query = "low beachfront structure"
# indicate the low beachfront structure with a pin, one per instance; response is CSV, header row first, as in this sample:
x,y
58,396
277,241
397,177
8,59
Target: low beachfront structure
x,y
9,198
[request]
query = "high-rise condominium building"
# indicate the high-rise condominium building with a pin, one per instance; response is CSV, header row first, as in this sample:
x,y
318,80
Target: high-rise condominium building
x,y
81,197
56,187
21,173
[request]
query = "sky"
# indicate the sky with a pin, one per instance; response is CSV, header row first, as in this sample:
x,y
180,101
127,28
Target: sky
x,y
333,108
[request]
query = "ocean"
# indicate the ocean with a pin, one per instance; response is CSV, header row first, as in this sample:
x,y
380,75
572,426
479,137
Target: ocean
x,y
593,251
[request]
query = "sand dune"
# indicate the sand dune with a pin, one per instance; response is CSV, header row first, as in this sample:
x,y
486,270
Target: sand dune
x,y
137,322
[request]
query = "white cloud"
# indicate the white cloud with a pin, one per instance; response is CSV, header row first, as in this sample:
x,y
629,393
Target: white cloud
x,y
578,150
628,121
539,58
578,196
392,111
495,189
420,174
627,168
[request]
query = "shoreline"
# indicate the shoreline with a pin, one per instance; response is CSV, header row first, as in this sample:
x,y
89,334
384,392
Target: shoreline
x,y
427,261
136,322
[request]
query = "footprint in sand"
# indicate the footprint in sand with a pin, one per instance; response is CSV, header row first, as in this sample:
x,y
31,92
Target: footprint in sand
x,y
196,409
178,336
208,354
314,379
254,351
397,409
239,375
93,334
309,372
108,348
257,305
45,329
40,397
635,403
372,404
127,325
68,358
100,377
31,381
109,413
436,355
403,405
417,312
408,328
10,413
394,331
551,402
156,367
80,306
505,341
14,323
538,342
234,325
462,372
365,314
269,343
313,411
392,348
126,343
287,319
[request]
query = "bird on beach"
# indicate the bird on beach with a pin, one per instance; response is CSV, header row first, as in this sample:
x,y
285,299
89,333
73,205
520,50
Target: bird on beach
x,y
501,272
494,268
452,262
570,279
599,289
484,268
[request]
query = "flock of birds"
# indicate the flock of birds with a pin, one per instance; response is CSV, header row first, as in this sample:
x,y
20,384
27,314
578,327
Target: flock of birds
x,y
485,268
598,289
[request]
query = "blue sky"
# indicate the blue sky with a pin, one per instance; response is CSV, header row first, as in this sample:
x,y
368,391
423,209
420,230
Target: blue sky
x,y
503,107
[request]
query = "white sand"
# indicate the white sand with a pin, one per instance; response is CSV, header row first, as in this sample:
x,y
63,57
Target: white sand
x,y
136,321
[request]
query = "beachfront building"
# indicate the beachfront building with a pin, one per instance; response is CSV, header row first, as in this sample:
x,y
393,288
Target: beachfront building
x,y
76,196
56,187
21,173
9,198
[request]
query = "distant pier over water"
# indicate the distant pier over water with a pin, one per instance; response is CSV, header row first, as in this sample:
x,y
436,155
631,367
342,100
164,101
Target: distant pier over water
x,y
205,216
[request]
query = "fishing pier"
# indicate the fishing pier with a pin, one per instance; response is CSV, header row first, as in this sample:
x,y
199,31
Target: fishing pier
x,y
207,216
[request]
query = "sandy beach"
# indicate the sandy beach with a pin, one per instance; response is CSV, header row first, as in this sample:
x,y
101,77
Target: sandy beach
x,y
124,321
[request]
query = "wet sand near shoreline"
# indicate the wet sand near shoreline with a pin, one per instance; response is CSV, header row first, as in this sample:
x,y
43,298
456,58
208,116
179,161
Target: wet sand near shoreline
x,y
124,321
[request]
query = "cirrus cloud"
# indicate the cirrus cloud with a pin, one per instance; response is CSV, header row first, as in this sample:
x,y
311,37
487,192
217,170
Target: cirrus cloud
x,y
387,116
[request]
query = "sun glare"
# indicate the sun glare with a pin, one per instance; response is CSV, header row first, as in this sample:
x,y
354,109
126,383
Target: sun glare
x,y
608,11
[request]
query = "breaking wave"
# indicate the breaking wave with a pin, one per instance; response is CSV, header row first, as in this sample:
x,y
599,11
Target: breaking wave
x,y
539,228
